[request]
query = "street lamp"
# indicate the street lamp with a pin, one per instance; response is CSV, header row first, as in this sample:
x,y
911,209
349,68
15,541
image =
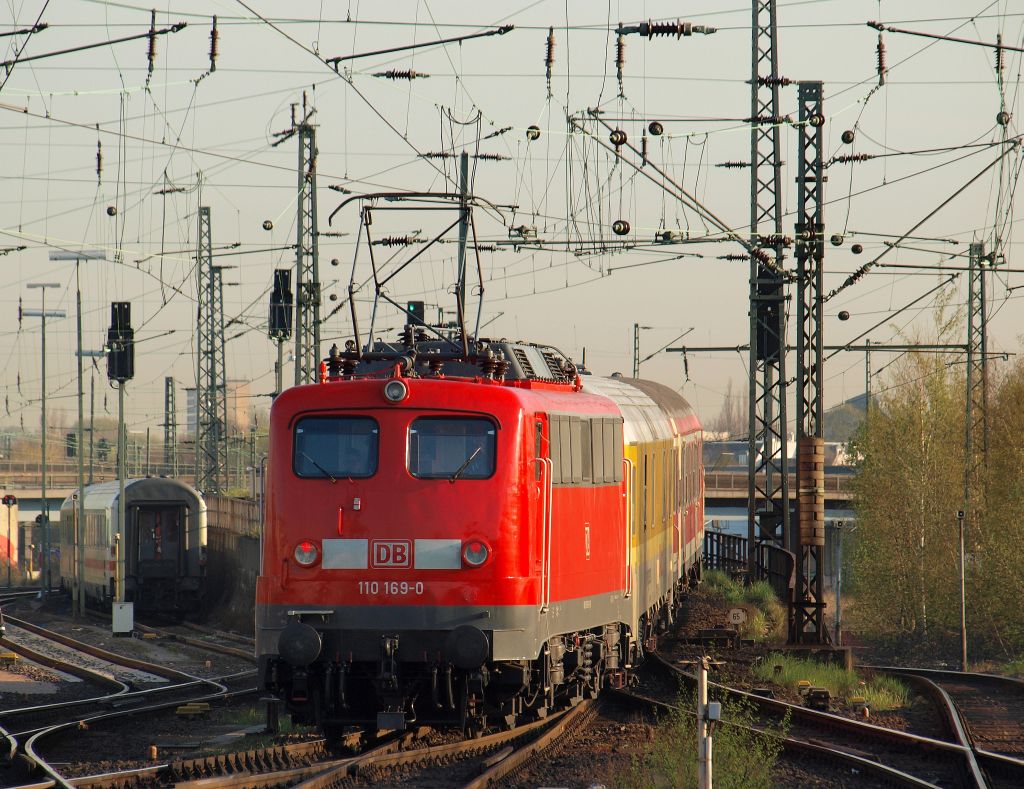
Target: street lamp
x,y
960,514
838,576
42,313
78,559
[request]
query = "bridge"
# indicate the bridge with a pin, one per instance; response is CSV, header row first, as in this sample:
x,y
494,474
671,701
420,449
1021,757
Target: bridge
x,y
725,520
725,487
22,479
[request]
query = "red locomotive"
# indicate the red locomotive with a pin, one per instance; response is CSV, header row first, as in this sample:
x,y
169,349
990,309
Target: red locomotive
x,y
469,537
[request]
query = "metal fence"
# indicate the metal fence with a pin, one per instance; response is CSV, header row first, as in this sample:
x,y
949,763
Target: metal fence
x,y
728,553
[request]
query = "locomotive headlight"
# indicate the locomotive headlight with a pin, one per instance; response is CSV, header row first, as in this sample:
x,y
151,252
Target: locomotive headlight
x,y
475,553
306,553
395,391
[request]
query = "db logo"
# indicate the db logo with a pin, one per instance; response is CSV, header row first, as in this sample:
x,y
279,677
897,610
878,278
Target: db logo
x,y
390,553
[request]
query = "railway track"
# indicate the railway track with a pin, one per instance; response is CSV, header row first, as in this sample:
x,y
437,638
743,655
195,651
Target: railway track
x,y
247,654
854,762
24,729
482,761
983,712
924,760
243,648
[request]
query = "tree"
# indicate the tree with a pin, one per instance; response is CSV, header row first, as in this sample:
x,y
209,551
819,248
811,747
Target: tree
x,y
732,419
909,486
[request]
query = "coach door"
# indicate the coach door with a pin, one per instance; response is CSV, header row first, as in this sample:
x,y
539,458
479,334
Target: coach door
x,y
158,539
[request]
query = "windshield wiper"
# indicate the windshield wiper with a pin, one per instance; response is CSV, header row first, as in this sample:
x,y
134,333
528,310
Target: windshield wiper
x,y
465,465
330,476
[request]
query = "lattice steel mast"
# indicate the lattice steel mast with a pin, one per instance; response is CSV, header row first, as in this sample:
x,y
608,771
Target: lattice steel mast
x,y
307,270
807,620
976,419
211,440
768,473
170,428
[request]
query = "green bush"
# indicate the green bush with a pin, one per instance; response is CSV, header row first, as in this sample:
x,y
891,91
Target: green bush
x,y
721,585
761,594
742,758
881,692
770,618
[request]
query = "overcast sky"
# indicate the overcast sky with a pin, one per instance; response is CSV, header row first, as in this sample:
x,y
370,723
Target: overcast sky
x,y
206,139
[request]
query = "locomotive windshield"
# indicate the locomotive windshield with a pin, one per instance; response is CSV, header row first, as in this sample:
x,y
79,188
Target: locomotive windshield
x,y
336,446
444,448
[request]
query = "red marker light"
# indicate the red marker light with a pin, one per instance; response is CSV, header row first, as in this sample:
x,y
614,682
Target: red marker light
x,y
306,553
475,553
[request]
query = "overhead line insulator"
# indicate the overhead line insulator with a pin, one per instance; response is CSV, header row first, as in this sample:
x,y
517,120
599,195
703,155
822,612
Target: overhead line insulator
x,y
214,45
776,120
620,59
733,165
768,82
397,241
151,42
549,57
881,67
775,240
851,157
407,74
677,29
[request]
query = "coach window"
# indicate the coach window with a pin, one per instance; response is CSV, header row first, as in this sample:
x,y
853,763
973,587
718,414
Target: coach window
x,y
686,476
664,487
555,444
565,449
576,445
586,452
538,446
328,447
452,448
644,498
597,450
616,449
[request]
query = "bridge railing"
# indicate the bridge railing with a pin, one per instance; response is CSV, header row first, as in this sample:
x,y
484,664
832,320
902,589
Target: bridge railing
x,y
728,552
723,482
725,552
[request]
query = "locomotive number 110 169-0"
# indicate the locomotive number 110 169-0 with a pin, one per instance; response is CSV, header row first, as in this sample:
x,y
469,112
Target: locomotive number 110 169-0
x,y
391,587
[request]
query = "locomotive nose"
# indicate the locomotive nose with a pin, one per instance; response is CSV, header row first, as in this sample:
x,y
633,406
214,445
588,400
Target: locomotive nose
x,y
299,644
466,647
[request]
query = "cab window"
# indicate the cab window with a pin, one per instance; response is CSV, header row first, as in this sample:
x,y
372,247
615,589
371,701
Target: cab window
x,y
449,448
328,447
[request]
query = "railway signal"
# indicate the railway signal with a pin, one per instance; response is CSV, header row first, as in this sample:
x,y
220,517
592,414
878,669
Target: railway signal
x,y
120,368
279,326
417,312
9,501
